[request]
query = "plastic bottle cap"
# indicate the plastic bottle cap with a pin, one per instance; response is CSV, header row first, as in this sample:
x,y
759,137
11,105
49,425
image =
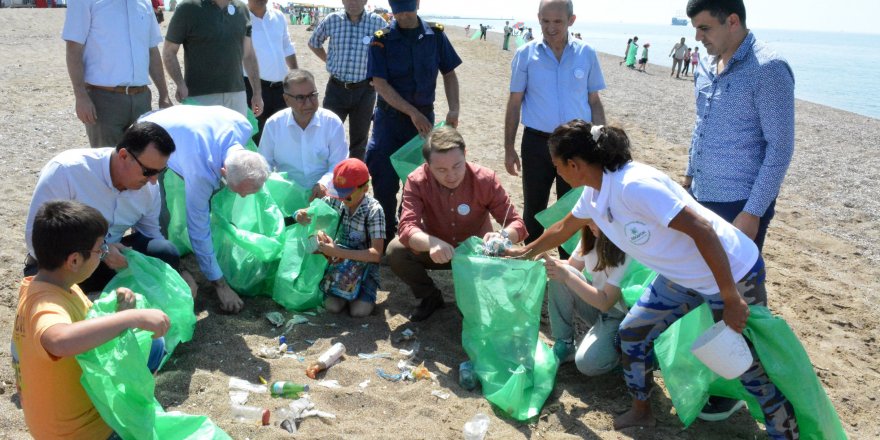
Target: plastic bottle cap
x,y
306,388
265,417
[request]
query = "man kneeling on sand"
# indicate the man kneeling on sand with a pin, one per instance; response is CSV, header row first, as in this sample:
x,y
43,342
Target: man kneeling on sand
x,y
121,184
445,201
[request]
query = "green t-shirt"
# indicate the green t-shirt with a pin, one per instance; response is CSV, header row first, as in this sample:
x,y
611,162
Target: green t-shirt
x,y
212,41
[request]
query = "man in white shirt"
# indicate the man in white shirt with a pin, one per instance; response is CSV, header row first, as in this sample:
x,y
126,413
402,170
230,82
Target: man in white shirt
x,y
209,143
121,184
111,48
677,53
306,141
275,56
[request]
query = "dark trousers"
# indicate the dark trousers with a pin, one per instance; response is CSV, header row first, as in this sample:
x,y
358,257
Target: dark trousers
x,y
356,105
391,129
273,101
538,175
115,111
158,248
412,268
729,210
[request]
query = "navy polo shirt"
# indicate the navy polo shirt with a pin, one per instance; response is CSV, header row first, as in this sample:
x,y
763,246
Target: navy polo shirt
x,y
410,65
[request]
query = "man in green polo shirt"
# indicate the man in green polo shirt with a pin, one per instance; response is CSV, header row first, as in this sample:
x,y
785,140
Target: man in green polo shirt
x,y
216,39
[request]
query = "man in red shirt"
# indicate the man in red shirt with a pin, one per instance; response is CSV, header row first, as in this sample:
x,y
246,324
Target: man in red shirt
x,y
445,201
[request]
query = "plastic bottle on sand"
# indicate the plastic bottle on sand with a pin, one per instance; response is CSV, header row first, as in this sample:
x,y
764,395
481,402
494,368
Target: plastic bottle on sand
x,y
467,379
326,360
289,390
250,414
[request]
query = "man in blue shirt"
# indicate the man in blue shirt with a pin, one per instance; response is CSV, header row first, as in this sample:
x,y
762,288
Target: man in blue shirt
x,y
553,81
744,134
349,92
405,59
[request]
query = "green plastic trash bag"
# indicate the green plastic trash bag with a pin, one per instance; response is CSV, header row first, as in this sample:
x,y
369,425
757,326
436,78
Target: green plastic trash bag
x,y
520,41
635,280
300,271
476,35
175,202
116,378
289,196
690,382
162,287
409,157
246,235
255,128
558,211
500,300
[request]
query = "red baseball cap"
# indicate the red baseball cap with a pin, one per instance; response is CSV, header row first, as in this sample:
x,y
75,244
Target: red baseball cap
x,y
348,175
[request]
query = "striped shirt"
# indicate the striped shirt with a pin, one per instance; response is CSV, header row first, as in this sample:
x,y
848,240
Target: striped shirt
x,y
349,43
744,136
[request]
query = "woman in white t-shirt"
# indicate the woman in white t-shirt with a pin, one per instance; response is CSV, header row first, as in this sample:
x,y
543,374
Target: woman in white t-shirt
x,y
698,256
598,302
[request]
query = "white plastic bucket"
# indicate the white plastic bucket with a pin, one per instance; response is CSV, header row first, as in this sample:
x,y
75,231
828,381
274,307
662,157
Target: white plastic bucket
x,y
723,350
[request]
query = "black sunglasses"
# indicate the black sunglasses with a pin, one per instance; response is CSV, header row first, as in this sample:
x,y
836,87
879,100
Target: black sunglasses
x,y
148,172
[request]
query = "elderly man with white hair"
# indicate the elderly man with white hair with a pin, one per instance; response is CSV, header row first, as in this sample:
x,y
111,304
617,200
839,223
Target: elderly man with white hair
x,y
210,151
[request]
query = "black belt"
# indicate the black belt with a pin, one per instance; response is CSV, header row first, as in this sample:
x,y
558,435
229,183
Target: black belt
x,y
543,134
272,84
424,109
350,85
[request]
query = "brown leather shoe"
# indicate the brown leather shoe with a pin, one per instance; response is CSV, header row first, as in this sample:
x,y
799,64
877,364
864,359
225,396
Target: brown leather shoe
x,y
427,307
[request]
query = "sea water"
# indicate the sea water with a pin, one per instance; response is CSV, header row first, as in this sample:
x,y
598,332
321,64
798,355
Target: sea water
x,y
833,69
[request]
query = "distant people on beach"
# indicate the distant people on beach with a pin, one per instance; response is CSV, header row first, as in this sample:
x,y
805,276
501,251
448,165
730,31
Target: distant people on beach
x,y
686,63
547,92
507,31
467,31
744,141
483,30
643,61
678,56
631,55
626,51
695,59
528,35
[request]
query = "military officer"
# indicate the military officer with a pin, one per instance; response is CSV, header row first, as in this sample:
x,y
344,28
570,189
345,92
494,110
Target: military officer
x,y
404,61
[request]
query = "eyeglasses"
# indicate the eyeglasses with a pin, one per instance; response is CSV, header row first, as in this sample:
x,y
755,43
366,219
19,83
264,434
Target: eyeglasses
x,y
302,98
148,172
102,252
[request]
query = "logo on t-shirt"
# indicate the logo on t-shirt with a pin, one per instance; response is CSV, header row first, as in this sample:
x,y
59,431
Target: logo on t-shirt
x,y
638,233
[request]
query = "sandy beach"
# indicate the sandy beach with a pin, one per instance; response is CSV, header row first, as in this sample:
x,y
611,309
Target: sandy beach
x,y
822,253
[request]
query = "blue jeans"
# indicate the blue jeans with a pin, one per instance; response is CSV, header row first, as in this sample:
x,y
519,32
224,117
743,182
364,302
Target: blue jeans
x,y
666,302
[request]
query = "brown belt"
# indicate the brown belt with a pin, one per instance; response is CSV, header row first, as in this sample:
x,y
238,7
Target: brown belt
x,y
125,90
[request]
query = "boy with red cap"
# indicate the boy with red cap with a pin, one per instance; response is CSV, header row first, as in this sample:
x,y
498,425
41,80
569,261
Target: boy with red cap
x,y
352,278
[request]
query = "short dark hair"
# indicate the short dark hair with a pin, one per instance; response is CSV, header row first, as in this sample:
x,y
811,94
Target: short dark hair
x,y
574,139
720,9
140,134
62,227
441,140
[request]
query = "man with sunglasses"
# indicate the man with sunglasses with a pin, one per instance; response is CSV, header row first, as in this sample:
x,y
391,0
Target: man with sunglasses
x,y
305,141
120,183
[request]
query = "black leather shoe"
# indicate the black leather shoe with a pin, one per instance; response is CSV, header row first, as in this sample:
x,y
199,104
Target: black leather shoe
x,y
426,308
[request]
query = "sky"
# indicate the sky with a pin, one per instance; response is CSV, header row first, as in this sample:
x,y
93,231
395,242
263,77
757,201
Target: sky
x,y
857,16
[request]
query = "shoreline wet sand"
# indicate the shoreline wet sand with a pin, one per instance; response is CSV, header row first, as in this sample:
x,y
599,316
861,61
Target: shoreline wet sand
x,y
822,252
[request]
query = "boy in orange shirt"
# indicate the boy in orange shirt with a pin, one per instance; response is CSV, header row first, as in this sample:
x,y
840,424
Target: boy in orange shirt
x,y
50,326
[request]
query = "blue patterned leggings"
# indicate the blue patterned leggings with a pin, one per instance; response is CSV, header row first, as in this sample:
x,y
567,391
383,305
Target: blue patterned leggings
x,y
664,304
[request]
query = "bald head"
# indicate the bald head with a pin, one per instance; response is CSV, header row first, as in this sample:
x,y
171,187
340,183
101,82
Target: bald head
x,y
568,6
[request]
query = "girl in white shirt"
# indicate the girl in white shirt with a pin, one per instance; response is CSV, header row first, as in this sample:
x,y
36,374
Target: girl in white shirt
x,y
698,256
597,302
